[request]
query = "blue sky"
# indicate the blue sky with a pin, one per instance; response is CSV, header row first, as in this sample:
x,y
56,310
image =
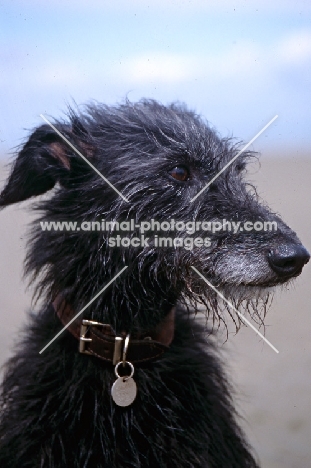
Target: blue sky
x,y
238,63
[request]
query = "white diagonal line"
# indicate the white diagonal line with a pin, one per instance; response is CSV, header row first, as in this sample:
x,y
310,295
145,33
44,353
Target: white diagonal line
x,y
82,310
233,159
83,157
236,310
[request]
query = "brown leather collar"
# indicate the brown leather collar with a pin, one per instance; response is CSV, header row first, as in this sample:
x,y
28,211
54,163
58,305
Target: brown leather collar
x,y
100,339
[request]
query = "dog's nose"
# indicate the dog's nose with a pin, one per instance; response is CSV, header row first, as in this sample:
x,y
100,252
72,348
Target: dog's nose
x,y
288,259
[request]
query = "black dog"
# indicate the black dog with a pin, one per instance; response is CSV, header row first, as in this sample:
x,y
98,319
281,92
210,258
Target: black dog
x,y
58,406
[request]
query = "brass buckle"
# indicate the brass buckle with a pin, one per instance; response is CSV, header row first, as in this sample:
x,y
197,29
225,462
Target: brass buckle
x,y
85,327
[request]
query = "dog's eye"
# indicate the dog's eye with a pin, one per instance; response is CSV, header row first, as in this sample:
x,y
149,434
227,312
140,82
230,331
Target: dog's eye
x,y
240,166
180,173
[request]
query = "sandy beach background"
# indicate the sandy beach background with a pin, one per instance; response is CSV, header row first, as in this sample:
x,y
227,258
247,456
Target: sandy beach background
x,y
273,390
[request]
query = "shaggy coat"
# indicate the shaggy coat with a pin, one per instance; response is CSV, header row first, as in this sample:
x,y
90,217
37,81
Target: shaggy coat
x,y
57,410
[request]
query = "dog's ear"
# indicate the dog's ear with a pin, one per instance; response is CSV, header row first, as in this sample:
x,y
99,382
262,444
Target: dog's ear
x,y
44,160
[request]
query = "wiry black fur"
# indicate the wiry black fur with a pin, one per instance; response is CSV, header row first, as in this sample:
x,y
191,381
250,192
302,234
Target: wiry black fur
x,y
63,415
56,406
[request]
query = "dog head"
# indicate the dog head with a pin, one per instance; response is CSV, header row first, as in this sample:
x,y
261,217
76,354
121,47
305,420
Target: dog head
x,y
143,163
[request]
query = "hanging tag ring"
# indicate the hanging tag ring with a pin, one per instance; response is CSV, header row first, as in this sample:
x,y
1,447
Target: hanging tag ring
x,y
125,348
124,389
125,377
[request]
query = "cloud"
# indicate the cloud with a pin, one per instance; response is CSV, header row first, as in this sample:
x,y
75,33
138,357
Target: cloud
x,y
236,61
241,61
158,67
296,48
